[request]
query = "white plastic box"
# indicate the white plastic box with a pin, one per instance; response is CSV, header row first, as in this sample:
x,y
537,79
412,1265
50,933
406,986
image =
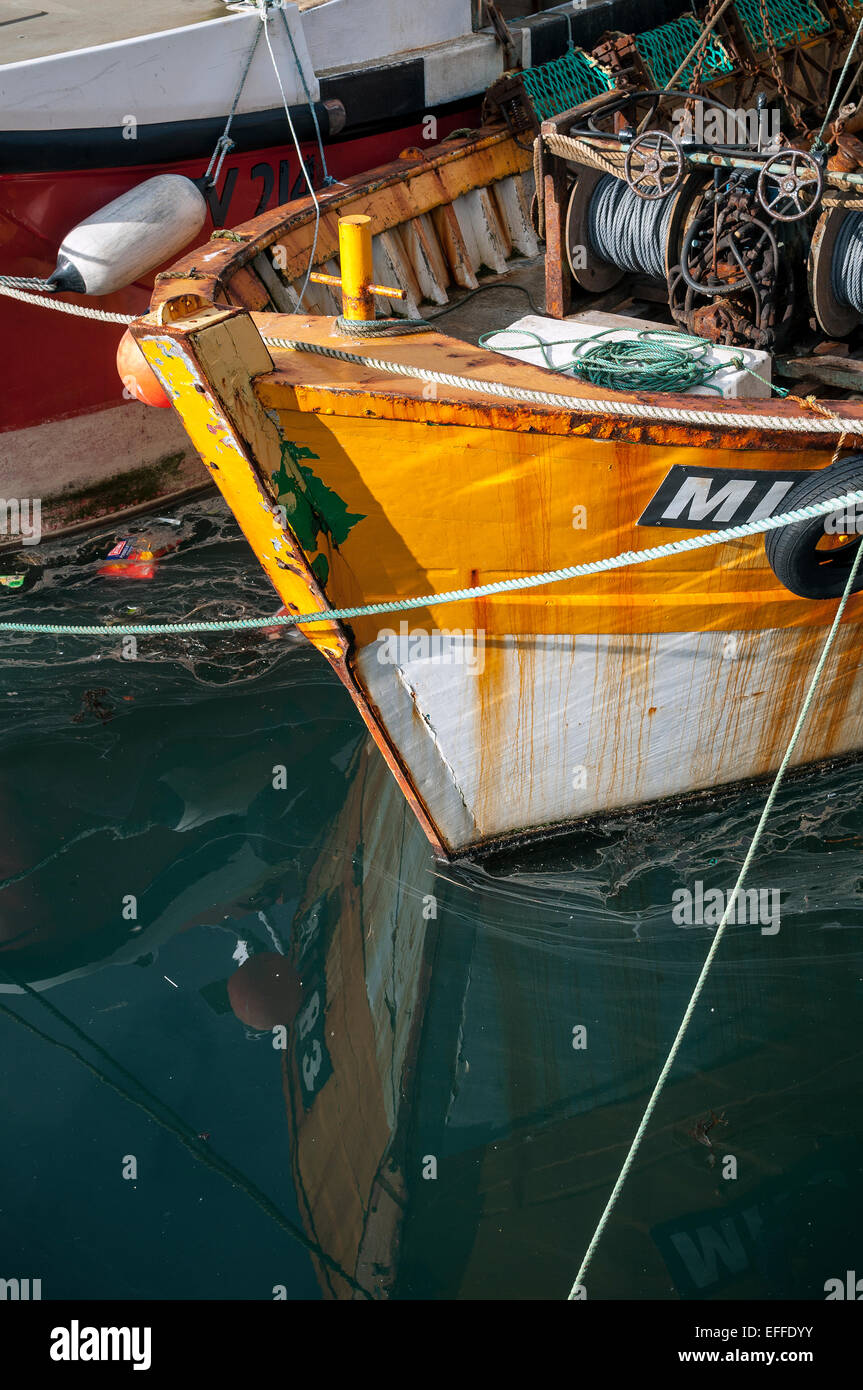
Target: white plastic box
x,y
732,382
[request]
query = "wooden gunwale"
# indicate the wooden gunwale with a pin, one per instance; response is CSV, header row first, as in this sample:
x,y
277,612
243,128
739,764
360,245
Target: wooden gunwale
x,y
209,270
324,385
222,273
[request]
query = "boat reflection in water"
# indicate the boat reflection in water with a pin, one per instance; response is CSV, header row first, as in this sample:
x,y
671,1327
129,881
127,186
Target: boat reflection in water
x,y
465,1051
476,1046
360,948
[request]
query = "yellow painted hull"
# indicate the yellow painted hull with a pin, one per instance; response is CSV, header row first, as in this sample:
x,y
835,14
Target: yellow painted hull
x,y
371,472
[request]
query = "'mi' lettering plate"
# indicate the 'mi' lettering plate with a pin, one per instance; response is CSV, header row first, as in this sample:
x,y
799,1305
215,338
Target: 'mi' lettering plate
x,y
704,498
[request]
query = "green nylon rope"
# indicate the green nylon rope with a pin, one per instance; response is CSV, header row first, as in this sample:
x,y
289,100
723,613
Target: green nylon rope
x,y
654,359
500,586
634,366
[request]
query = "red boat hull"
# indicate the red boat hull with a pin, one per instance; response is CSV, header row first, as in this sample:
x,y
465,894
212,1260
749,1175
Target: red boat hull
x,y
62,369
65,366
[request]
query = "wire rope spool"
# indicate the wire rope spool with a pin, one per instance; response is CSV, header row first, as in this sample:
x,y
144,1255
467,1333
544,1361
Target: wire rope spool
x,y
835,271
612,232
836,315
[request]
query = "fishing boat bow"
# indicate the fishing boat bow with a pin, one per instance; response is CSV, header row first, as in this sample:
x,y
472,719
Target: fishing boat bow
x,y
376,469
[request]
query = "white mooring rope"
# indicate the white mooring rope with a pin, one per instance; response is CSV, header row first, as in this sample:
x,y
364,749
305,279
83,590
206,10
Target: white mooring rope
x,y
26,282
80,310
498,586
579,405
302,162
588,405
577,1289
225,144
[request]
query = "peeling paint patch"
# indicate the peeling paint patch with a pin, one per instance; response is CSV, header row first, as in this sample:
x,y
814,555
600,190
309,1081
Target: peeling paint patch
x,y
312,509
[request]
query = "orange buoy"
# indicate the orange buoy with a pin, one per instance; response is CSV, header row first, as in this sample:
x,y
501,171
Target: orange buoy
x,y
265,991
137,375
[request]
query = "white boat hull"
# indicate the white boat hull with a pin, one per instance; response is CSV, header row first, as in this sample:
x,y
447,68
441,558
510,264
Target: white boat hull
x,y
568,727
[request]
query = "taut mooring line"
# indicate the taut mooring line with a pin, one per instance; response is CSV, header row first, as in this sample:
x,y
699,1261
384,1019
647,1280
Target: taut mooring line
x,y
714,945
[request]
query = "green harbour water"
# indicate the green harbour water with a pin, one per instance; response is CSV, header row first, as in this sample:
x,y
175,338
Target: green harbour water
x,y
468,1048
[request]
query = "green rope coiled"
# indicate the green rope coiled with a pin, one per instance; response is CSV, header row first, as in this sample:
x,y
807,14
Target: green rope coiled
x,y
639,365
652,360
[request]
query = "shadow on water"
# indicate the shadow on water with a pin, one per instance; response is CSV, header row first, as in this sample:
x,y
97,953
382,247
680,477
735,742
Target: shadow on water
x,y
306,1059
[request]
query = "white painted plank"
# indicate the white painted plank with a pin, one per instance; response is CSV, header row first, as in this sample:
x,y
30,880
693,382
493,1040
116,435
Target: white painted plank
x,y
391,268
514,208
446,225
426,258
481,234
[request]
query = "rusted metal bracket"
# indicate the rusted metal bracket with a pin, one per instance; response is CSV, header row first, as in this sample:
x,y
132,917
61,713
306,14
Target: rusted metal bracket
x,y
555,194
504,36
507,100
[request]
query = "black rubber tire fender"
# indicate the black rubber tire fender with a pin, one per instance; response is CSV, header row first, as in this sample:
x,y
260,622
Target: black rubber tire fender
x,y
791,550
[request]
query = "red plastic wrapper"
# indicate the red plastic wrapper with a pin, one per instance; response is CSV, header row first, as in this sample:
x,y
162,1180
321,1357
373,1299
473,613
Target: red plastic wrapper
x,y
136,557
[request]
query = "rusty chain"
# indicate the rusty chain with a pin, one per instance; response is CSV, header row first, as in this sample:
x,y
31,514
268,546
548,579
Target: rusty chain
x,y
791,106
709,16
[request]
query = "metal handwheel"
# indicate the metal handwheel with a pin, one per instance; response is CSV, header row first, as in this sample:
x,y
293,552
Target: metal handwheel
x,y
662,163
791,176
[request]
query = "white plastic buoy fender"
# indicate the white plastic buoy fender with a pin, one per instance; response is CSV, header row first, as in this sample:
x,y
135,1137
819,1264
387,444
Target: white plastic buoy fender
x,y
130,236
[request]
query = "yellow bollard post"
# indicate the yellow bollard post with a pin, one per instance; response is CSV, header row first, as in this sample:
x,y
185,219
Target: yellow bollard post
x,y
355,254
355,281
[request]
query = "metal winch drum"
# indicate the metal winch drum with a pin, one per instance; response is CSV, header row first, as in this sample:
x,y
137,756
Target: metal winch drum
x,y
659,222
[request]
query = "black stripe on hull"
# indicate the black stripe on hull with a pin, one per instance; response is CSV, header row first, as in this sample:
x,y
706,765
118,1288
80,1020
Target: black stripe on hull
x,y
626,16
549,36
370,95
167,142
